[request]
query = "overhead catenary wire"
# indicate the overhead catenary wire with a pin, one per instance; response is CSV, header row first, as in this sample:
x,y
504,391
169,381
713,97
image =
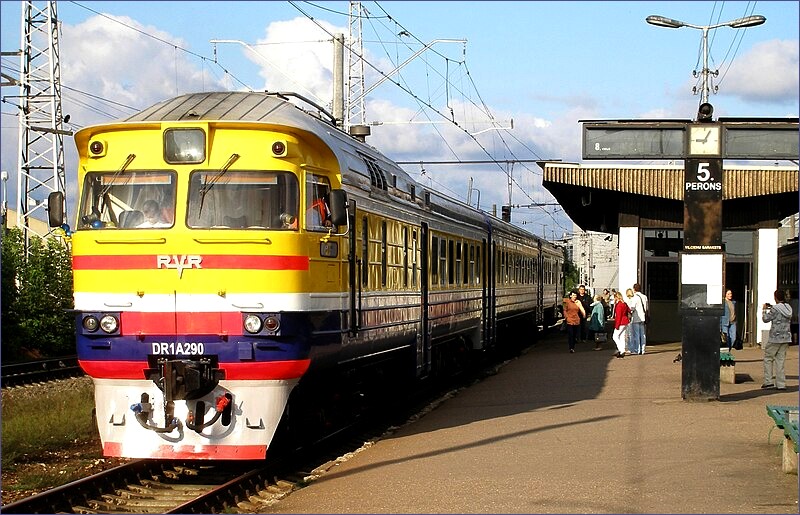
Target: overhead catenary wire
x,y
422,102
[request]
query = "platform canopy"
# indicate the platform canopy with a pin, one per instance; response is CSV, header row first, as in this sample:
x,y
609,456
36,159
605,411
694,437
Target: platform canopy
x,y
604,197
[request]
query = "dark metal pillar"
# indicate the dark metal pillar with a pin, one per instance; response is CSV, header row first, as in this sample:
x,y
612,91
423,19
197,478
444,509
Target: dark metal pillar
x,y
702,261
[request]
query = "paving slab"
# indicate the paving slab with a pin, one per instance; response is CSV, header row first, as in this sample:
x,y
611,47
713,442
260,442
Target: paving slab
x,y
554,432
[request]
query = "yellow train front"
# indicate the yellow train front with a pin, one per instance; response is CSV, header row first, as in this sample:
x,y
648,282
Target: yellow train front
x,y
195,255
229,245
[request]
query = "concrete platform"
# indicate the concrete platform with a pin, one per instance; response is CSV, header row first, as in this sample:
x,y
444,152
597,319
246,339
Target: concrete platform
x,y
554,432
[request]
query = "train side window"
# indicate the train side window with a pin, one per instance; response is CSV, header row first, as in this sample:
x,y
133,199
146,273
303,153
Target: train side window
x,y
384,254
471,272
465,263
459,273
414,259
442,262
498,266
452,271
405,257
364,252
434,264
478,265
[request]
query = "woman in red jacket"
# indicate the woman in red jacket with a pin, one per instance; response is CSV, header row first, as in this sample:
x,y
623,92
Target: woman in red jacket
x,y
621,321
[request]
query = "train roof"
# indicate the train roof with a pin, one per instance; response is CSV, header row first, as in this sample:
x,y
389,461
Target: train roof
x,y
369,169
275,109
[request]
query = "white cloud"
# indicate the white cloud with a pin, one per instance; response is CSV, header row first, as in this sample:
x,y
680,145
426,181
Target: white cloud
x,y
108,59
297,55
768,73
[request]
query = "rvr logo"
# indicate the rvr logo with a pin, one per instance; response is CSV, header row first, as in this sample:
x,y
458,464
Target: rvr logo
x,y
179,262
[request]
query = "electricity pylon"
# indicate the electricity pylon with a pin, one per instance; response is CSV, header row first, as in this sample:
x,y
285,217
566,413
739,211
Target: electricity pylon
x,y
355,112
41,137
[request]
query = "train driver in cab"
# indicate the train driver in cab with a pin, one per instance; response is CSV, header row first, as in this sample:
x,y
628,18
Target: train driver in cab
x,y
318,215
152,215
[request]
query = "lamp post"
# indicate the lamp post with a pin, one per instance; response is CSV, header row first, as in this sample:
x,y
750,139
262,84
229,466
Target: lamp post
x,y
739,23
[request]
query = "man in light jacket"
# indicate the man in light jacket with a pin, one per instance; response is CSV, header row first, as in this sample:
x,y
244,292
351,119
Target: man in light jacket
x,y
780,316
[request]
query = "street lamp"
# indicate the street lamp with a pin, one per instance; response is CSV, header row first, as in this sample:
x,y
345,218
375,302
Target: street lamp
x,y
739,23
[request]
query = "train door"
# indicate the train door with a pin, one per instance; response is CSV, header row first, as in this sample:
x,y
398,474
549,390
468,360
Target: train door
x,y
489,301
538,276
423,335
355,275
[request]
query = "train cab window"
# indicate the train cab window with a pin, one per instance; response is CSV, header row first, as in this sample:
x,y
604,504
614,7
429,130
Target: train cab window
x,y
236,199
127,200
318,213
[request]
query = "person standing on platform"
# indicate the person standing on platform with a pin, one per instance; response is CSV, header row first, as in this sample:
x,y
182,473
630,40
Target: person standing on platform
x,y
597,322
780,316
585,301
572,317
621,321
638,335
607,300
634,329
727,322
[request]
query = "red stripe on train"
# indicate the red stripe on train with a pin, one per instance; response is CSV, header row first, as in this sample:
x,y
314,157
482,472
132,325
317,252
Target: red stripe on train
x,y
197,452
185,323
187,262
259,371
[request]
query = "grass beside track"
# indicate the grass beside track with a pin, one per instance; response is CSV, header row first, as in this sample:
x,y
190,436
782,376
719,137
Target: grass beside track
x,y
40,420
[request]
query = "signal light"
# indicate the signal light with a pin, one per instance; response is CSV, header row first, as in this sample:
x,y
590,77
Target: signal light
x,y
97,148
279,149
506,213
90,323
272,324
704,112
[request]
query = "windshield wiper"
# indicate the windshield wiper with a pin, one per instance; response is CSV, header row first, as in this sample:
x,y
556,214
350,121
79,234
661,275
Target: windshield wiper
x,y
210,184
103,196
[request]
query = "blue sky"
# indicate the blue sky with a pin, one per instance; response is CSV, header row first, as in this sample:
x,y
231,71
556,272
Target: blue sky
x,y
546,65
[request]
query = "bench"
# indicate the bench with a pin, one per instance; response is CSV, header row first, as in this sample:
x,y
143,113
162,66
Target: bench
x,y
785,418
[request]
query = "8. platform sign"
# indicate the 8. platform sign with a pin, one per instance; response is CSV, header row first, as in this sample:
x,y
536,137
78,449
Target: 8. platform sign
x,y
702,204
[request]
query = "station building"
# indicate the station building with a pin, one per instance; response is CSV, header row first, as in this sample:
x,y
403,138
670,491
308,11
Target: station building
x,y
642,206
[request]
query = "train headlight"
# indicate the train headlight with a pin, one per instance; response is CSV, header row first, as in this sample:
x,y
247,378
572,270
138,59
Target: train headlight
x,y
90,323
252,324
109,323
272,324
184,145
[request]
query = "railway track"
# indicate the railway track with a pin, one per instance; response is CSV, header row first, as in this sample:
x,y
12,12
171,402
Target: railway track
x,y
19,374
170,486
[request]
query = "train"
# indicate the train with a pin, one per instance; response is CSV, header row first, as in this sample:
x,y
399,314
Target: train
x,y
232,247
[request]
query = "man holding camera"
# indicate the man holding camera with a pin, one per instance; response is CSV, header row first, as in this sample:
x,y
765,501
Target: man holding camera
x,y
777,343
